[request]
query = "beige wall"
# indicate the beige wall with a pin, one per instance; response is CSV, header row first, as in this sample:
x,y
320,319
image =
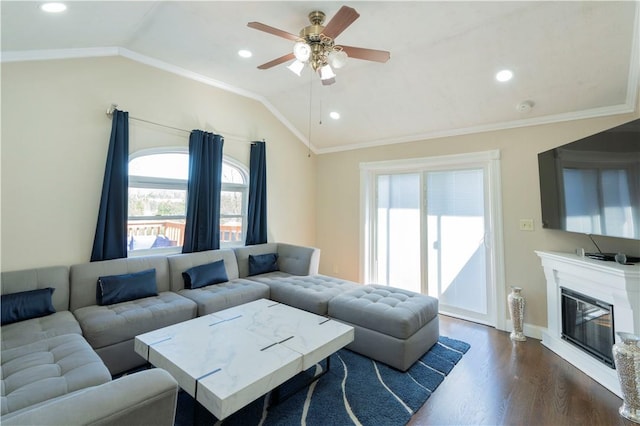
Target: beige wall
x,y
55,136
339,206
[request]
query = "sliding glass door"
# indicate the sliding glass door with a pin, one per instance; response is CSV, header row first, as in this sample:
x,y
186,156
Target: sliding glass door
x,y
456,250
398,230
430,227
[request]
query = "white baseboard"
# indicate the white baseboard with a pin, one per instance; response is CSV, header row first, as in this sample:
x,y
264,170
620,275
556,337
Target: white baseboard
x,y
530,330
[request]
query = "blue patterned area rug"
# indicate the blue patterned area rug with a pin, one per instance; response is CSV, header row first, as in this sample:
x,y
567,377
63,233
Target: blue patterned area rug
x,y
355,391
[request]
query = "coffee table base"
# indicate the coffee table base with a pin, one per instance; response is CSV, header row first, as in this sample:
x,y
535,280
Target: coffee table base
x,y
276,398
200,413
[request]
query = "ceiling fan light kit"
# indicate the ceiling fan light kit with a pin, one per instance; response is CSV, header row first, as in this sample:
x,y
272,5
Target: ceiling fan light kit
x,y
302,51
337,58
316,46
327,76
296,67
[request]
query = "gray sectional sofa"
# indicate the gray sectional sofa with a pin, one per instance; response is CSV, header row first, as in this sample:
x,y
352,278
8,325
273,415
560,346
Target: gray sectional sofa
x,y
51,375
83,344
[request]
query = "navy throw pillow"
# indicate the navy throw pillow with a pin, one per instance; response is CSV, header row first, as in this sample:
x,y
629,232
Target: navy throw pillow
x,y
122,288
263,263
26,305
203,275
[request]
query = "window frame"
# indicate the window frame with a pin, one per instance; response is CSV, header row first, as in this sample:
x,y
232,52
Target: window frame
x,y
180,184
237,187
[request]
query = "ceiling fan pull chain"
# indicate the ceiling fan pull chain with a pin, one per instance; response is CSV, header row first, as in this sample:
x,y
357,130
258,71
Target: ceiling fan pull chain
x,y
310,103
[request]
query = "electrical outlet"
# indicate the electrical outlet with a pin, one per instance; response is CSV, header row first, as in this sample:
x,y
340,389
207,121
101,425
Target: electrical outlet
x,y
526,224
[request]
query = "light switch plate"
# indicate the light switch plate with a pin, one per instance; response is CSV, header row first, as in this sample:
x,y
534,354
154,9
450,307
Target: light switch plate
x,y
526,224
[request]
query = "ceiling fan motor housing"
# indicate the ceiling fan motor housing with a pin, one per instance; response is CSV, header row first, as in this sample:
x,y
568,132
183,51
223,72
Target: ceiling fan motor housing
x,y
312,32
316,17
320,44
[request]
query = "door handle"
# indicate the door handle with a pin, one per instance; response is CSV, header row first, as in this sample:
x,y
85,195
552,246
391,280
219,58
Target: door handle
x,y
486,240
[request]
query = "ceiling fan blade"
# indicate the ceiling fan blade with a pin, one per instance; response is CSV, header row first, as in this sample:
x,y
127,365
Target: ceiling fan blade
x,y
271,30
345,17
366,54
277,61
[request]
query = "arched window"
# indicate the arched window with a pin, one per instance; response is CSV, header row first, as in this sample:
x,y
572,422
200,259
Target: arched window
x,y
158,195
233,203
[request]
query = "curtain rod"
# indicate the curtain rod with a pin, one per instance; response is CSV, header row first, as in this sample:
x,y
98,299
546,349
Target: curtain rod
x,y
114,106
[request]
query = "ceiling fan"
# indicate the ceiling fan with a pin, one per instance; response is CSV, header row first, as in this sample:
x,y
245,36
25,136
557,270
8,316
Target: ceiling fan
x,y
316,45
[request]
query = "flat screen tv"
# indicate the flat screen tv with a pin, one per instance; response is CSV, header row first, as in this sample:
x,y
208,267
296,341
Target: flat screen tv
x,y
592,186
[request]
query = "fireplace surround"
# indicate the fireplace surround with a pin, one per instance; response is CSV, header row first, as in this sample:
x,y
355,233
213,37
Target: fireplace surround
x,y
609,283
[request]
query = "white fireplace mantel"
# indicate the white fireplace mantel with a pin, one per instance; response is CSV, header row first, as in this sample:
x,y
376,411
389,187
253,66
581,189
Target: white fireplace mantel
x,y
610,282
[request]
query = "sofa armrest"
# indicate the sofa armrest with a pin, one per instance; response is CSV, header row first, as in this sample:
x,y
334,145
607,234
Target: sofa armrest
x,y
292,259
298,260
145,398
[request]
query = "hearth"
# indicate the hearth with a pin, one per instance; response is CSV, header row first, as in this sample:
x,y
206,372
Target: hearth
x,y
588,324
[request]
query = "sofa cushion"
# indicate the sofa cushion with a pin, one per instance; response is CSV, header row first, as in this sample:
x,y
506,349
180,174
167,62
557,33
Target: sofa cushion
x,y
29,331
47,369
108,325
25,305
388,310
204,275
181,262
83,277
124,287
215,298
311,293
263,263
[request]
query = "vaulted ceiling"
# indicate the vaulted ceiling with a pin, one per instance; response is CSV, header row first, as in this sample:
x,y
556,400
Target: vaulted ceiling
x,y
570,60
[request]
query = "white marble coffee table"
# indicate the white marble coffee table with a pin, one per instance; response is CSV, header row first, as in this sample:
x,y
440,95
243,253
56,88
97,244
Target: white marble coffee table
x,y
230,358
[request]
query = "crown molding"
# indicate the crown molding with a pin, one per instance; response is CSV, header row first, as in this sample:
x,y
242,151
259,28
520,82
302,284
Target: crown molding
x,y
52,54
152,62
547,119
633,87
183,72
93,52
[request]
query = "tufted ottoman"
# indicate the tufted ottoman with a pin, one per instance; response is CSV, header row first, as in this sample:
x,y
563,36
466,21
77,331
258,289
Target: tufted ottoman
x,y
392,325
310,292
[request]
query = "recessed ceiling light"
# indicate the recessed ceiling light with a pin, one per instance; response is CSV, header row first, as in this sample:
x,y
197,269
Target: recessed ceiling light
x,y
504,75
335,115
53,7
245,53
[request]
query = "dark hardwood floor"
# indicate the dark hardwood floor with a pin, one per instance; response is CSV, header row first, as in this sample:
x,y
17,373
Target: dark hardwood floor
x,y
500,382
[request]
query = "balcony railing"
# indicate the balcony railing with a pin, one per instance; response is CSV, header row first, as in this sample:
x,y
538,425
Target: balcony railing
x,y
170,233
231,233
